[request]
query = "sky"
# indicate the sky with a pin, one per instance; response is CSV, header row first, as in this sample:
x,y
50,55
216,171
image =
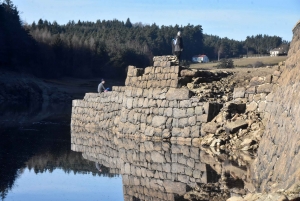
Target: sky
x,y
235,19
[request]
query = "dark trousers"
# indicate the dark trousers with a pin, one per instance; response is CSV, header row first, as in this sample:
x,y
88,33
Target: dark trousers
x,y
178,54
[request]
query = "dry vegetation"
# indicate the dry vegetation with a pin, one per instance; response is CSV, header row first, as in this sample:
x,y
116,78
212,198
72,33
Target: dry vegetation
x,y
244,62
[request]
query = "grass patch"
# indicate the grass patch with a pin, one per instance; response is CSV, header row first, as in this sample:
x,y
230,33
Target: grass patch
x,y
243,62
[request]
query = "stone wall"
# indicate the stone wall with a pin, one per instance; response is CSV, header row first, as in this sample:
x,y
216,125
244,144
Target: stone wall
x,y
166,101
277,164
98,110
150,105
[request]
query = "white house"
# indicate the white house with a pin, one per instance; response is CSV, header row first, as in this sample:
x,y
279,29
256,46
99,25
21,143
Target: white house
x,y
276,51
200,58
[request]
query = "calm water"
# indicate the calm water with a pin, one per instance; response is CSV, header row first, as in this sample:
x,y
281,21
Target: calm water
x,y
36,161
42,158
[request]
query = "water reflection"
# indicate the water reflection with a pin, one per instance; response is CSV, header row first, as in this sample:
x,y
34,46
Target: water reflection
x,y
163,171
35,149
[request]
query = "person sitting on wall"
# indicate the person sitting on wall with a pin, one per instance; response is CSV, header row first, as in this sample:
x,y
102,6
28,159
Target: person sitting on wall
x,y
101,87
178,45
98,166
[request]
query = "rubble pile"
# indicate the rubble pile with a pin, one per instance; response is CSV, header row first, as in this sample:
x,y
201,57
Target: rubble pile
x,y
233,128
241,122
210,86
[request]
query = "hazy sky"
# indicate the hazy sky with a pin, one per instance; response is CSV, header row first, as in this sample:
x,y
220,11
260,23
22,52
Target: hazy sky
x,y
235,19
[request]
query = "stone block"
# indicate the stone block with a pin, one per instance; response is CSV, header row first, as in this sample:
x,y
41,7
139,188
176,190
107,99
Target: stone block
x,y
149,84
177,168
265,88
157,157
178,94
252,106
158,121
146,103
174,83
262,106
156,63
268,79
167,167
149,131
173,104
210,127
176,132
168,112
277,73
255,81
163,83
185,103
234,126
186,132
127,81
183,122
183,178
158,71
169,123
152,103
239,92
179,113
197,174
134,72
195,131
256,97
189,73
166,134
263,96
175,69
174,76
161,111
270,97
274,79
139,92
167,64
159,93
192,120
140,102
174,187
190,112
168,83
202,118
199,110
181,159
150,93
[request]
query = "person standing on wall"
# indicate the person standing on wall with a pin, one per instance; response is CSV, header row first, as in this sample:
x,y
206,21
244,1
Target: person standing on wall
x,y
178,45
101,87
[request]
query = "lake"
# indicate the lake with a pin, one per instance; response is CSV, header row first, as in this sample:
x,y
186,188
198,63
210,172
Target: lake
x,y
43,158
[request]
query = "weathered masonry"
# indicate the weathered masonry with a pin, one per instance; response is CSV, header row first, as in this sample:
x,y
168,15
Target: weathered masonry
x,y
157,103
150,105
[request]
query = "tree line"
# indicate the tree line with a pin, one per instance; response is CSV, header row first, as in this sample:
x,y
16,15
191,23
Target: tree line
x,y
107,47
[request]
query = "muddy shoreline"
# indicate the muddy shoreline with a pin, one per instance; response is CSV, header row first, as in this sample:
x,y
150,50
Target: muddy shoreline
x,y
21,87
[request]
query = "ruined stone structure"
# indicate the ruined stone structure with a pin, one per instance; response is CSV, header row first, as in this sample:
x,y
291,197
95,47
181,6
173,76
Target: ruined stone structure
x,y
150,105
165,101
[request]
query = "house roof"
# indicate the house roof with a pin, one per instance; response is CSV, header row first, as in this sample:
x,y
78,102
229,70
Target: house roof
x,y
200,55
277,49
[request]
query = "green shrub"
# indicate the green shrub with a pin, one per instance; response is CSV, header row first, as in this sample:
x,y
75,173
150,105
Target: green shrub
x,y
225,63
